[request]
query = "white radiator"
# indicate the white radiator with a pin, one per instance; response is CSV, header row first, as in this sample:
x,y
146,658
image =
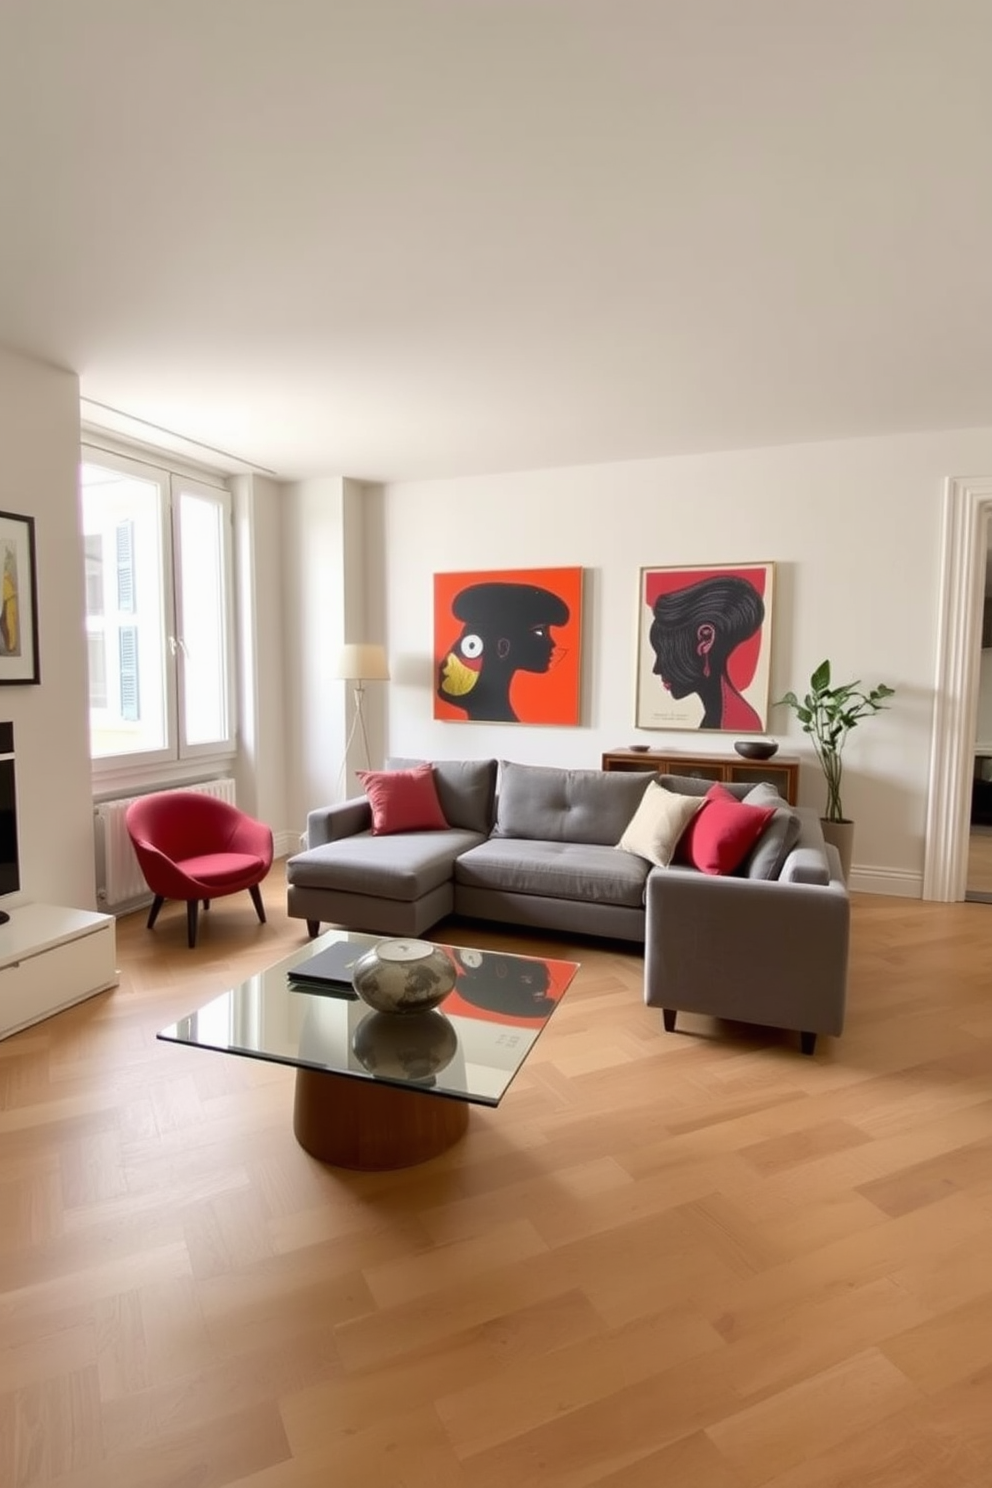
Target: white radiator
x,y
119,879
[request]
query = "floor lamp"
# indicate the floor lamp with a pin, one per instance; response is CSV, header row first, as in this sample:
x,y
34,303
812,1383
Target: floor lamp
x,y
359,664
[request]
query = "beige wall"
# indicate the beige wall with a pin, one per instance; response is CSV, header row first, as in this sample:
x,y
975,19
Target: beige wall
x,y
261,769
39,438
852,526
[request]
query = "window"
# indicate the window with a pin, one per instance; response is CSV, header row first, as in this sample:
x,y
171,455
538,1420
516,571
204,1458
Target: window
x,y
158,612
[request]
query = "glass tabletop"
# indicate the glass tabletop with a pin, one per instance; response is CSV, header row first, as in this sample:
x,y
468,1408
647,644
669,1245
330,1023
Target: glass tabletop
x,y
469,1048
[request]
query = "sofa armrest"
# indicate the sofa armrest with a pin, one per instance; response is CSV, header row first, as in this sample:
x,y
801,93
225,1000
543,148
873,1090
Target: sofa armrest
x,y
753,950
345,819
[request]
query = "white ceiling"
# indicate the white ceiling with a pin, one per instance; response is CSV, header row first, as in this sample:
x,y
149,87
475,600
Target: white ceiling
x,y
394,238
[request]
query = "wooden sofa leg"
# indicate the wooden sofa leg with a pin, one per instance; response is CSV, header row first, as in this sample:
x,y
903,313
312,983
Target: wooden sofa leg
x,y
807,1042
313,928
668,1016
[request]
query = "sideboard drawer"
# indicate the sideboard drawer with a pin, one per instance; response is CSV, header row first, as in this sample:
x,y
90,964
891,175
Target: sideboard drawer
x,y
55,977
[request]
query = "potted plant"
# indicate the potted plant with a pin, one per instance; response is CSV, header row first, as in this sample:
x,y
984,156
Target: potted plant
x,y
828,714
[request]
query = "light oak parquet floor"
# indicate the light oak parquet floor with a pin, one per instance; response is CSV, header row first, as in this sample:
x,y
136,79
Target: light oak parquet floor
x,y
696,1259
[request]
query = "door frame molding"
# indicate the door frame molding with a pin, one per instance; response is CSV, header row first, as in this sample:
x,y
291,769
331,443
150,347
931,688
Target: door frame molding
x,y
964,546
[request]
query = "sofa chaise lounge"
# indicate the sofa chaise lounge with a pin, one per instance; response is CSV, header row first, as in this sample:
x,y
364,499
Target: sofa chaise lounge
x,y
766,943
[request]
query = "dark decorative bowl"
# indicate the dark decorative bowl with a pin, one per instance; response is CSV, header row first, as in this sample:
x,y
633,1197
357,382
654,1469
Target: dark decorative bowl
x,y
756,748
638,748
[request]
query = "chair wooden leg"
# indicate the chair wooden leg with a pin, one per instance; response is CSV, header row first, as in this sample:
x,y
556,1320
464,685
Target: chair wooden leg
x,y
668,1016
256,899
153,912
192,906
313,928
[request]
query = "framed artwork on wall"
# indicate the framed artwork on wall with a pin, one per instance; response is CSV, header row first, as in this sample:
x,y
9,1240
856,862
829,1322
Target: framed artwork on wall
x,y
18,600
507,645
704,647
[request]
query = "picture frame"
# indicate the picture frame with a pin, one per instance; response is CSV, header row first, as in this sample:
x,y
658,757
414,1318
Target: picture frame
x,y
507,646
19,659
704,647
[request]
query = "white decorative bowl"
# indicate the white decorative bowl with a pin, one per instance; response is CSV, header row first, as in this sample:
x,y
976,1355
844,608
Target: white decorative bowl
x,y
403,976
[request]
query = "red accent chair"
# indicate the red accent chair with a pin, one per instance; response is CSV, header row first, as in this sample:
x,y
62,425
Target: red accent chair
x,y
194,847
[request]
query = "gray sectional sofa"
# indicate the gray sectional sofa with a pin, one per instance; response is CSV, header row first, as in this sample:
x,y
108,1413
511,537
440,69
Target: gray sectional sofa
x,y
767,944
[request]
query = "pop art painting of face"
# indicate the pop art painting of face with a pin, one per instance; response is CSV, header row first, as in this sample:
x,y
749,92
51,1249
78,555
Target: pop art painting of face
x,y
506,645
704,647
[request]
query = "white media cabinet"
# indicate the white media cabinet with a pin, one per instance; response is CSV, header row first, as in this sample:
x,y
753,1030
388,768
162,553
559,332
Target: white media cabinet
x,y
51,958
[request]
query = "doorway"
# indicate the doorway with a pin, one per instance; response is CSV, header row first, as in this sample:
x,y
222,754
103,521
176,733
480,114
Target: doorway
x,y
978,881
961,605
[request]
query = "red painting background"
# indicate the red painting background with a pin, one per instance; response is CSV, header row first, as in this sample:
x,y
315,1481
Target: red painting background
x,y
743,661
560,974
537,697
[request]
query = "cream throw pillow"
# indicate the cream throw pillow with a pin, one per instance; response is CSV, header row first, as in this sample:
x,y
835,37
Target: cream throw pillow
x,y
658,823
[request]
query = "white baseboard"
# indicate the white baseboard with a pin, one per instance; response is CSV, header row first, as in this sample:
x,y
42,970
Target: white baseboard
x,y
895,881
285,844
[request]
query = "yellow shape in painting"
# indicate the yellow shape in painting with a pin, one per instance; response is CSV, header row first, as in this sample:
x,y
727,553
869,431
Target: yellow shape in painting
x,y
457,679
9,628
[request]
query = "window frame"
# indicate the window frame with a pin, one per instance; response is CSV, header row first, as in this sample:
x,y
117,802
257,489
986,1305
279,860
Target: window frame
x,y
177,759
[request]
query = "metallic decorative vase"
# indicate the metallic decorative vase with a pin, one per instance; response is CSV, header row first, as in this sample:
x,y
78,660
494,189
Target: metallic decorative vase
x,y
412,1048
403,976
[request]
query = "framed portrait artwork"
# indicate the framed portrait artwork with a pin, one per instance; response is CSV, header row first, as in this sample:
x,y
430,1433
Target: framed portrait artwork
x,y
507,645
704,647
18,600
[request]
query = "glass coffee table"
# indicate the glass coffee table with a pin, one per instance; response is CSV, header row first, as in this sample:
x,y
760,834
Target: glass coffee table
x,y
385,1090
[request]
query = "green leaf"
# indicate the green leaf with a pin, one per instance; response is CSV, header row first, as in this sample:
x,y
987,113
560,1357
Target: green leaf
x,y
828,714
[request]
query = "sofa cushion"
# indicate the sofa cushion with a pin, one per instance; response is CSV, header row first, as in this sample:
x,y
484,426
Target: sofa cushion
x,y
405,866
555,870
465,788
805,865
722,833
544,803
220,868
659,821
777,840
403,800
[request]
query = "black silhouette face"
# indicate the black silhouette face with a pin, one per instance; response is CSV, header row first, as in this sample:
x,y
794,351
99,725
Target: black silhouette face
x,y
505,984
677,664
507,628
514,648
534,649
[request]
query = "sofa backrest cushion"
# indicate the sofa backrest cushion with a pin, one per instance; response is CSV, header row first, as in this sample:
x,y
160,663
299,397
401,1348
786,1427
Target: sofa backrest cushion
x,y
548,804
766,858
403,800
465,788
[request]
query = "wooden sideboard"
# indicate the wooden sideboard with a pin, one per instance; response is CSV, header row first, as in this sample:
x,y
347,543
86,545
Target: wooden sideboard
x,y
780,771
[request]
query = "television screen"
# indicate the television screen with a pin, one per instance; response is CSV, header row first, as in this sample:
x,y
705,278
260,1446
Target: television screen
x,y
10,877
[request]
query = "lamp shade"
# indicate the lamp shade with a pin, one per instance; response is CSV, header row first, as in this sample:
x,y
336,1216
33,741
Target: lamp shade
x,y
362,663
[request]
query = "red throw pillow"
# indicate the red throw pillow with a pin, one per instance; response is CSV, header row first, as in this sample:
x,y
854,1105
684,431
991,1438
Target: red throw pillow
x,y
722,832
403,800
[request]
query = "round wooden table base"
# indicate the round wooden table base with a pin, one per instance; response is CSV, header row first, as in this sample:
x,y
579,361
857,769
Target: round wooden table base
x,y
364,1124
